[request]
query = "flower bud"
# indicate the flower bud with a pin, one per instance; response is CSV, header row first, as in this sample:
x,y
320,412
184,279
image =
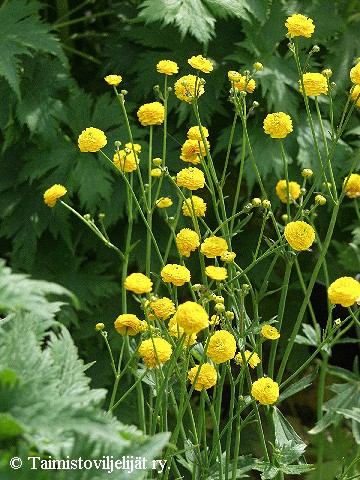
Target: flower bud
x,y
266,203
256,202
117,143
258,66
284,217
320,199
219,307
229,315
87,217
307,173
327,72
157,161
99,326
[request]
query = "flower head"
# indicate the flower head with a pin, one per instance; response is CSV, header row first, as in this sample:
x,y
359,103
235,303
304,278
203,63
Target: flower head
x,y
91,140
151,114
175,274
228,257
307,173
278,125
252,358
270,332
187,241
355,95
265,390
300,235
163,308
214,247
156,172
282,191
243,83
113,80
155,351
192,317
344,291
355,74
206,378
164,202
216,273
128,324
192,151
351,185
178,332
194,206
300,26
126,160
201,63
167,67
138,283
53,193
185,88
191,178
195,134
222,347
314,83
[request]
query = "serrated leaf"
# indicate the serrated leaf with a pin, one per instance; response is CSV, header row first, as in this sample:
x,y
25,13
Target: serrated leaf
x,y
284,431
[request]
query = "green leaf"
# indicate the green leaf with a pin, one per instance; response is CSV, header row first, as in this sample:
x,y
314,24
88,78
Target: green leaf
x,y
22,33
9,427
299,385
285,433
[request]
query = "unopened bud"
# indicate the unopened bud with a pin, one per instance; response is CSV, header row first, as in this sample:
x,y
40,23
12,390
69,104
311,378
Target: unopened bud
x,y
99,326
258,66
320,199
307,173
266,203
157,161
256,202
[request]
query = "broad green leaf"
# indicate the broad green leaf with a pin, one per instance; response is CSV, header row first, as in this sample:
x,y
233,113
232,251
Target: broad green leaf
x,y
9,427
299,385
284,432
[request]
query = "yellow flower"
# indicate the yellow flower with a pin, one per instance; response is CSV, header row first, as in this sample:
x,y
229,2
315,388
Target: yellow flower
x,y
216,273
265,390
278,125
214,247
345,291
100,326
252,358
307,173
355,74
270,332
155,351
175,274
300,235
134,147
352,187
201,63
195,134
138,283
91,140
281,191
300,26
125,160
192,317
151,114
164,202
320,199
194,206
228,257
176,331
355,95
163,308
185,88
192,151
156,172
53,193
222,347
187,241
191,178
167,67
206,378
234,76
315,84
240,84
128,324
113,79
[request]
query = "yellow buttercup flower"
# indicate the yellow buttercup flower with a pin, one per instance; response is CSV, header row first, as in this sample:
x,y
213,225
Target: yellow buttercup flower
x,y
167,67
191,178
113,80
175,274
156,172
270,332
128,324
228,257
252,358
344,291
91,140
195,134
281,191
134,147
300,26
278,125
240,84
314,83
53,193
300,235
214,247
164,202
194,206
352,187
206,378
355,74
265,390
201,63
192,317
222,347
187,241
185,88
155,351
125,160
234,76
178,332
163,308
192,150
216,273
138,283
151,114
355,95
